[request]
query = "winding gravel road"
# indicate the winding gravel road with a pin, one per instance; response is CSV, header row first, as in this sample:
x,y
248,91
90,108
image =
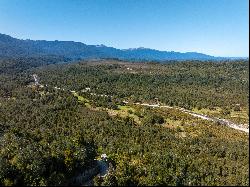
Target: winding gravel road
x,y
239,127
222,121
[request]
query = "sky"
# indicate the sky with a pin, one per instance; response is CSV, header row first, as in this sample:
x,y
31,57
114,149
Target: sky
x,y
214,27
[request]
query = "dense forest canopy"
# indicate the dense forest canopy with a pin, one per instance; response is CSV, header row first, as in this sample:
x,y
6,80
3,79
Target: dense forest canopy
x,y
49,135
186,84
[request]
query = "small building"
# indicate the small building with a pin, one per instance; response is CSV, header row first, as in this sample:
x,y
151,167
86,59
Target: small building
x,y
86,89
104,157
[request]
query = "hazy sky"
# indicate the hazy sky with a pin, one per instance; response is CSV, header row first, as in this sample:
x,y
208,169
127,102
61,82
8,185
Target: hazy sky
x,y
215,27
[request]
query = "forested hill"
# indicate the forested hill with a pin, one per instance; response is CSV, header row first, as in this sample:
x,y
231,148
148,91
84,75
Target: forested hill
x,y
10,47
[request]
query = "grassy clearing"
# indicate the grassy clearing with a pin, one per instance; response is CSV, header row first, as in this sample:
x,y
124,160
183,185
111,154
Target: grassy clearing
x,y
81,99
126,108
172,123
207,111
235,116
125,111
239,116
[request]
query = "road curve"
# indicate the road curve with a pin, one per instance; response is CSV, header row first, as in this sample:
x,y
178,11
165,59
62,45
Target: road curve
x,y
205,117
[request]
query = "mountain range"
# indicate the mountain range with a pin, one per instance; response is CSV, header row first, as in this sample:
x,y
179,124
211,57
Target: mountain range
x,y
13,47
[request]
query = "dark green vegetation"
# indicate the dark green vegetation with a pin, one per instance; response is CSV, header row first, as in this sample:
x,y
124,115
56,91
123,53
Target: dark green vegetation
x,y
185,84
48,135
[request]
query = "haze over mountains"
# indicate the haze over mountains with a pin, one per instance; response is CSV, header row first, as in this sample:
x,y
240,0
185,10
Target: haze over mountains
x,y
13,47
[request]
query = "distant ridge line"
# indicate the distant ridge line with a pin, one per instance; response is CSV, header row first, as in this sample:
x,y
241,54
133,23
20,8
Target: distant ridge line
x,y
13,47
